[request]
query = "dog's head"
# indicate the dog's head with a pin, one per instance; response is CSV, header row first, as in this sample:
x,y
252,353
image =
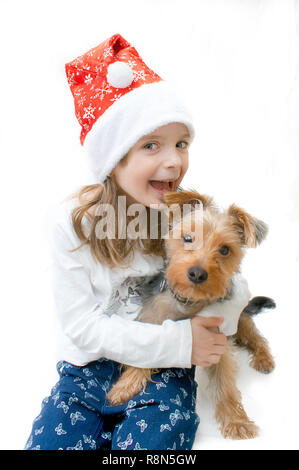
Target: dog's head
x,y
205,246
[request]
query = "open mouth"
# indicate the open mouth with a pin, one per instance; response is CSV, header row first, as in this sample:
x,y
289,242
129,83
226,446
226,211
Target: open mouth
x,y
161,186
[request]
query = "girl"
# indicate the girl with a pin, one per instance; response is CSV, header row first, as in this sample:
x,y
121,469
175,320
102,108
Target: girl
x,y
137,135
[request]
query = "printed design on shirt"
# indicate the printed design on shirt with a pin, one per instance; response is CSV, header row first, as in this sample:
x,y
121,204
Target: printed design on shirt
x,y
132,293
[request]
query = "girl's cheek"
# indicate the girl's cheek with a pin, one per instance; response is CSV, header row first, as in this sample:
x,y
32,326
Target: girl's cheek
x,y
186,165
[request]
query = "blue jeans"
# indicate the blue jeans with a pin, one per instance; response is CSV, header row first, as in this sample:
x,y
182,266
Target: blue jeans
x,y
77,416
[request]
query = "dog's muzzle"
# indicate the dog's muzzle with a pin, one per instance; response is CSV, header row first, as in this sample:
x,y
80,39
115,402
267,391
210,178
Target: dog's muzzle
x,y
197,275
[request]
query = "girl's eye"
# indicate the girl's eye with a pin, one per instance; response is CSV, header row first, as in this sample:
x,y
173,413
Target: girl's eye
x,y
153,146
182,144
224,250
150,146
187,238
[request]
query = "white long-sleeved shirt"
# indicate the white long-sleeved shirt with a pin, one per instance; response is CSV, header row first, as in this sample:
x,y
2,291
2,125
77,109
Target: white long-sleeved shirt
x,y
96,304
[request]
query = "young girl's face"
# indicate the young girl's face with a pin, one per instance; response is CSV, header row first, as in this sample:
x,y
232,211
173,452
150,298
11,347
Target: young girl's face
x,y
156,164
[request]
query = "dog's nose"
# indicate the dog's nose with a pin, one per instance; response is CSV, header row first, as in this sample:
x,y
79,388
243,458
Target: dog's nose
x,y
197,275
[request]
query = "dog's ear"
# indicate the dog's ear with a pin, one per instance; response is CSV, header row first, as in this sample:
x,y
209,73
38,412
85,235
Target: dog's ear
x,y
187,197
252,231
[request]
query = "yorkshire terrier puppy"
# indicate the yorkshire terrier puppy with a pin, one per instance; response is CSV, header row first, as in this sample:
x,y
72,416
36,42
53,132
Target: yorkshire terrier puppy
x,y
203,256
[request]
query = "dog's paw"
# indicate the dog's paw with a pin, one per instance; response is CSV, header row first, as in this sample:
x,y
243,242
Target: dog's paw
x,y
262,362
240,430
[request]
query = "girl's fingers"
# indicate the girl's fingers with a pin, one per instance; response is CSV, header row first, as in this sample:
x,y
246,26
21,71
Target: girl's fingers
x,y
214,358
220,339
218,349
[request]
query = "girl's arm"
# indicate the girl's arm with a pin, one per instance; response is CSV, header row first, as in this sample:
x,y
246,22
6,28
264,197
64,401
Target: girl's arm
x,y
93,333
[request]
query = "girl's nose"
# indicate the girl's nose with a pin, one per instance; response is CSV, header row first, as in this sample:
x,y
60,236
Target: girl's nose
x,y
173,160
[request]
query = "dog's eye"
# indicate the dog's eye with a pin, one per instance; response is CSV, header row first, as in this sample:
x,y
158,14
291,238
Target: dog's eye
x,y
187,238
224,250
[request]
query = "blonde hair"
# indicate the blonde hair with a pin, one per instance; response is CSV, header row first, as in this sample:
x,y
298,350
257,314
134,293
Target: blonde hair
x,y
116,251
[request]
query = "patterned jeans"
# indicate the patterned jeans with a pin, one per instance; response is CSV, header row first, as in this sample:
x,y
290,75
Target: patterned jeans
x,y
76,416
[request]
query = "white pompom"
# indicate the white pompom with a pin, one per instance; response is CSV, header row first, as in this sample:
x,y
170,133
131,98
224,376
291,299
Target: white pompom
x,y
120,75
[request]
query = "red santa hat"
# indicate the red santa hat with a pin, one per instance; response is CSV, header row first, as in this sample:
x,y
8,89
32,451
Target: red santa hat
x,y
118,99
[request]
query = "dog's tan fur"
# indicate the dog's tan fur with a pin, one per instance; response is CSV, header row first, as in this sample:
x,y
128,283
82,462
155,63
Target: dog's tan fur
x,y
237,230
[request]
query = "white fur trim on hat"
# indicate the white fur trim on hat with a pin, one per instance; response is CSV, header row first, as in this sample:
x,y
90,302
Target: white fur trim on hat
x,y
135,114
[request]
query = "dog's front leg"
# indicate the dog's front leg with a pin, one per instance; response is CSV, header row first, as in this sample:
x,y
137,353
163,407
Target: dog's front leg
x,y
229,411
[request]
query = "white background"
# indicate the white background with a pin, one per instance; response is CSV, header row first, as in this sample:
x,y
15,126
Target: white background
x,y
235,62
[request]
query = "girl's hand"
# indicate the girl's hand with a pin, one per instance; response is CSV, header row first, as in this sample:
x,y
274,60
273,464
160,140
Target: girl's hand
x,y
207,345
